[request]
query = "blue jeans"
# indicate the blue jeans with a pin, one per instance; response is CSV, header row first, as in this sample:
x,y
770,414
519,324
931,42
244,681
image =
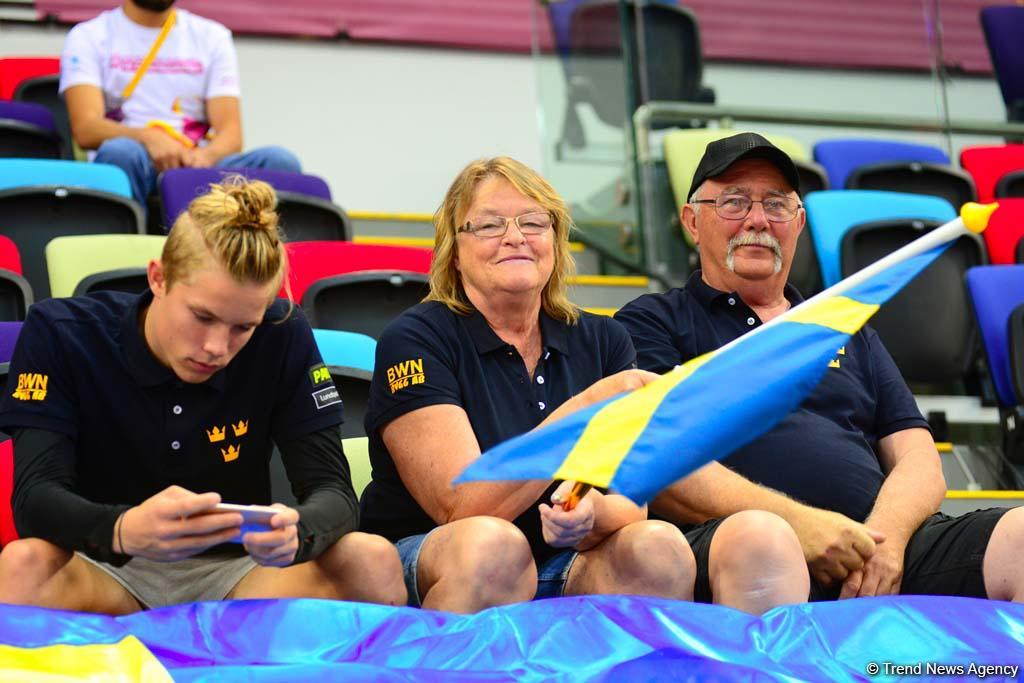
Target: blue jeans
x,y
551,574
131,157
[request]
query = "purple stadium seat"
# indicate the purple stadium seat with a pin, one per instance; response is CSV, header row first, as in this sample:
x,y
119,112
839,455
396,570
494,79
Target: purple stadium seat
x,y
27,130
841,157
303,201
9,332
1003,28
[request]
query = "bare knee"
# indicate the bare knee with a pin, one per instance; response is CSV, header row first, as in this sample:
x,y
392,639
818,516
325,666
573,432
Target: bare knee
x,y
1001,566
654,558
367,567
756,562
33,557
487,559
754,538
26,564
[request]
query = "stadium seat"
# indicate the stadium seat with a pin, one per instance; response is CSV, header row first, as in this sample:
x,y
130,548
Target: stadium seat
x,y
312,261
812,176
997,293
831,213
1011,185
10,259
41,200
1020,250
841,156
15,295
927,326
938,180
1004,231
84,263
804,272
988,164
592,54
1003,27
43,90
8,532
349,358
27,131
8,338
364,301
14,70
303,201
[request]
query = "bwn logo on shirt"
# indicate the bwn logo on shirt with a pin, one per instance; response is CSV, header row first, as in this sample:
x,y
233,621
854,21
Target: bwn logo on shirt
x,y
31,386
405,373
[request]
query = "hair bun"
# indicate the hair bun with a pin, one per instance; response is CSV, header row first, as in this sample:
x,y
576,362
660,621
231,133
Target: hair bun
x,y
252,201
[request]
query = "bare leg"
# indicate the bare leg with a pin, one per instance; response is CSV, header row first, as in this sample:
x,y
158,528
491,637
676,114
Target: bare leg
x,y
643,558
474,563
36,572
755,563
359,567
1004,578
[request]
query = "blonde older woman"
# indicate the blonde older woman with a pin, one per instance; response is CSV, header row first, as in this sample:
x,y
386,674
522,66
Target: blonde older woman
x,y
496,350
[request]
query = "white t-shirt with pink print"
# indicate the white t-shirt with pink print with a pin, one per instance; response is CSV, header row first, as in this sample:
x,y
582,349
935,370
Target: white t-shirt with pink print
x,y
197,62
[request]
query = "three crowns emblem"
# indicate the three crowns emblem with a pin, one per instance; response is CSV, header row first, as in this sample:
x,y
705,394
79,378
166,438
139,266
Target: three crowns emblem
x,y
241,428
216,435
231,453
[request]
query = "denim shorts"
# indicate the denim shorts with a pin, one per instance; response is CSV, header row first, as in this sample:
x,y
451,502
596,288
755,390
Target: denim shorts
x,y
551,574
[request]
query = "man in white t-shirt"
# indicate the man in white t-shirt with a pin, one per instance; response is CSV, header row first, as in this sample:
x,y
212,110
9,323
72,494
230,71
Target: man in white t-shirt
x,y
183,112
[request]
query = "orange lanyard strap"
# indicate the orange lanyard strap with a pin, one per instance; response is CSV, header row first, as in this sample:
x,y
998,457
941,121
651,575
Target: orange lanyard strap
x,y
141,71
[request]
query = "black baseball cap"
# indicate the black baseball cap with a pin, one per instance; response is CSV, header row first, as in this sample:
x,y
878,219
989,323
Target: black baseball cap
x,y
723,153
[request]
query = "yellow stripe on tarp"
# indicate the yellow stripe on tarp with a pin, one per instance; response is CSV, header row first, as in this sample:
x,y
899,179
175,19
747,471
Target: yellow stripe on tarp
x,y
839,313
614,429
125,660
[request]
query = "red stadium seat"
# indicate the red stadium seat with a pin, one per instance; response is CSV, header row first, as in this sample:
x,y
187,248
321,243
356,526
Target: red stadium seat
x,y
14,70
312,261
988,164
7,531
10,258
1005,230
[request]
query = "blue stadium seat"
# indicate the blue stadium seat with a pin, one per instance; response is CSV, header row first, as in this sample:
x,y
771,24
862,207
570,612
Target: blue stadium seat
x,y
103,177
998,296
41,200
841,156
830,214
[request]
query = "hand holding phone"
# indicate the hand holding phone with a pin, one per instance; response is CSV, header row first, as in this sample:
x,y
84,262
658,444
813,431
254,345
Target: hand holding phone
x,y
254,517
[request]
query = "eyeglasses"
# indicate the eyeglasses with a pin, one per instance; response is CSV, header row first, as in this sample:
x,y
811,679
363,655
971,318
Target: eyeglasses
x,y
536,223
737,206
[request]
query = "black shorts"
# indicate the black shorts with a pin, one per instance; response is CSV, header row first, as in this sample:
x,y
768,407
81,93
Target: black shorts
x,y
943,557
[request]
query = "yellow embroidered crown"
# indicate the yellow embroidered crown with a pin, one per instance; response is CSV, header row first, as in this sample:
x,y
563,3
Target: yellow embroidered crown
x,y
231,453
216,435
241,428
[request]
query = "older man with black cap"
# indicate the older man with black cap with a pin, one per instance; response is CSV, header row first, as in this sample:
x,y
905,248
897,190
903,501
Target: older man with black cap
x,y
853,471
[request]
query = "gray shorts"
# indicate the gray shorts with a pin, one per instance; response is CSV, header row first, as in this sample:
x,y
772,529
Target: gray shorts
x,y
194,579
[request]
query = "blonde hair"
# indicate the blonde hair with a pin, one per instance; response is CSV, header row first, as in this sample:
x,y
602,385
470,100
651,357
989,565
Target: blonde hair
x,y
445,283
235,222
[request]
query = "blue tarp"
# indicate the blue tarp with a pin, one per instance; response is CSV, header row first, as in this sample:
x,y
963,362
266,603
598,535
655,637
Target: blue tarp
x,y
599,638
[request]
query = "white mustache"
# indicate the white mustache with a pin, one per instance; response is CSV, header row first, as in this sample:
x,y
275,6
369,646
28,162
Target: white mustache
x,y
759,239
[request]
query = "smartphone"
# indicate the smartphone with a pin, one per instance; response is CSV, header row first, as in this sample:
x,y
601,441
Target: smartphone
x,y
254,517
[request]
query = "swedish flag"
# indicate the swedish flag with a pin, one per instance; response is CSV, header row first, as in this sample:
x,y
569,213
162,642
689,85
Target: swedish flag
x,y
639,443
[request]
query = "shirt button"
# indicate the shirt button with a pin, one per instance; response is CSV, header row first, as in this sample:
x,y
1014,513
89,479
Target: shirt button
x,y
732,301
750,321
175,445
176,410
541,405
540,379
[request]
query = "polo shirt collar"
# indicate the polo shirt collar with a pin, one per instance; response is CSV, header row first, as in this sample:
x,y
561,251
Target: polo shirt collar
x,y
554,334
706,294
142,364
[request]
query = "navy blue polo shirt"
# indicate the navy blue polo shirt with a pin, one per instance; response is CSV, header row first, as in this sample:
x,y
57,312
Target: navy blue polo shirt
x,y
824,452
82,368
430,355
